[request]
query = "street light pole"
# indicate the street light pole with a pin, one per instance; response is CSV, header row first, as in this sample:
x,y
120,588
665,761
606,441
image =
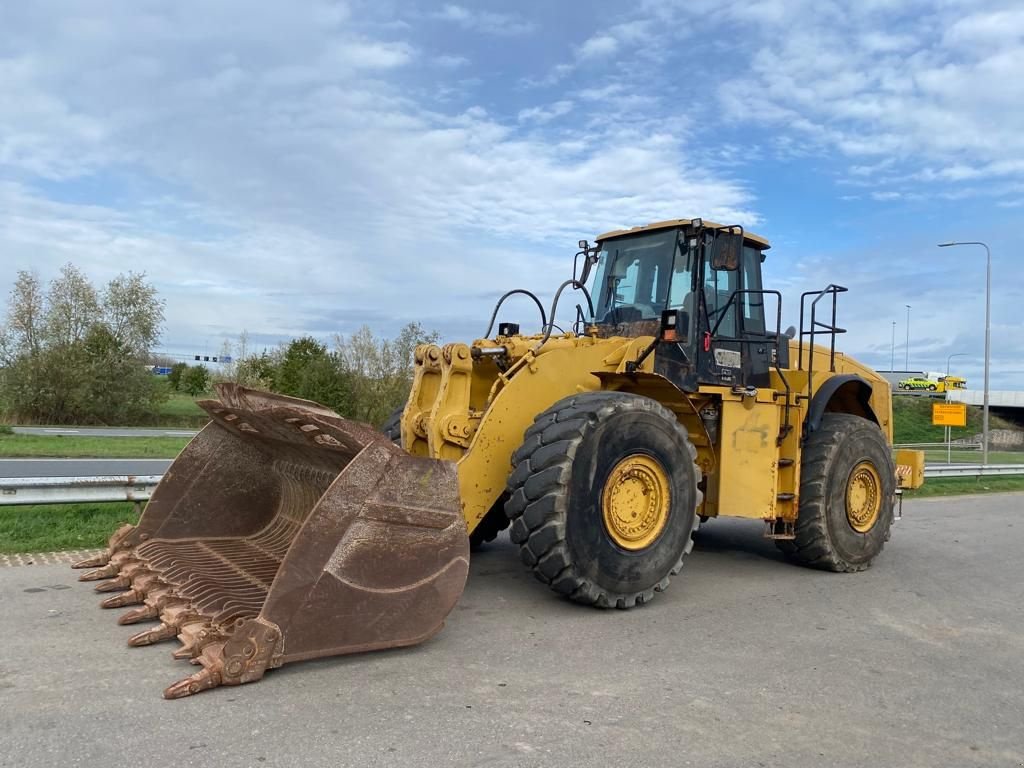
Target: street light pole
x,y
892,353
906,358
988,334
949,430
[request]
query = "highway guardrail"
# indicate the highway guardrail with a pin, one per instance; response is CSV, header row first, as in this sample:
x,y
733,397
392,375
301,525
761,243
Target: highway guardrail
x,y
76,490
138,488
972,470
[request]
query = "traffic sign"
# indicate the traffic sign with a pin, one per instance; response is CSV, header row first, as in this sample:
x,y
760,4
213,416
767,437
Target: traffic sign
x,y
949,414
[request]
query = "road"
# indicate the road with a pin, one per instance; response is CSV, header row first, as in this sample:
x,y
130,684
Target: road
x,y
745,661
105,431
81,467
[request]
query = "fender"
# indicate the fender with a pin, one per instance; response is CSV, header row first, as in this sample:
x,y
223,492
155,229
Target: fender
x,y
855,396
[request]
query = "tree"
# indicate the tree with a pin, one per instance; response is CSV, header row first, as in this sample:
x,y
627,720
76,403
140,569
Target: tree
x,y
78,355
174,377
195,380
380,369
309,371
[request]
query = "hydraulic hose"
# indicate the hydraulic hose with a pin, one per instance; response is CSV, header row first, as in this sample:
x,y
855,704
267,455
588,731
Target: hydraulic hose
x,y
494,315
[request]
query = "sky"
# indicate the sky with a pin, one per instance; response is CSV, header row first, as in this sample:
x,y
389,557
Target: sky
x,y
310,167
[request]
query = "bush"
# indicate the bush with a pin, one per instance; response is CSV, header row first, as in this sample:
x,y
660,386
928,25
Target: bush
x,y
196,380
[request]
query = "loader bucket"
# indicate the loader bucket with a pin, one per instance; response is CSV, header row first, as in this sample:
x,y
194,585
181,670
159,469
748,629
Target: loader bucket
x,y
284,532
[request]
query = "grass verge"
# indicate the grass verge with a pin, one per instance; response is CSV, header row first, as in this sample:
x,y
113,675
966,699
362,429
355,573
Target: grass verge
x,y
53,527
180,410
955,486
974,457
83,446
912,421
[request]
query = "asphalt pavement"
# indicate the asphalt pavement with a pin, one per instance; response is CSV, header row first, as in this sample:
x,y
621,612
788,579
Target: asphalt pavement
x,y
105,431
745,661
81,467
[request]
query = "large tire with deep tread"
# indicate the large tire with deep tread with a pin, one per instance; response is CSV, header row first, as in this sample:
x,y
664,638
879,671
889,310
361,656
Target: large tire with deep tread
x,y
825,538
392,426
555,492
493,523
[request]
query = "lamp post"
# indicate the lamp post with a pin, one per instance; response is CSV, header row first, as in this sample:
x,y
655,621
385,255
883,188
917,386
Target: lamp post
x,y
892,353
988,331
906,358
949,430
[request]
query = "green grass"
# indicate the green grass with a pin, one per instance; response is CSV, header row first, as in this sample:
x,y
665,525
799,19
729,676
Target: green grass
x,y
974,457
955,486
912,420
180,410
51,528
84,446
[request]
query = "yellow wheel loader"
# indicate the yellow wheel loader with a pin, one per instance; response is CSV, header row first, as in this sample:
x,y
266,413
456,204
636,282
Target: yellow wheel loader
x,y
284,532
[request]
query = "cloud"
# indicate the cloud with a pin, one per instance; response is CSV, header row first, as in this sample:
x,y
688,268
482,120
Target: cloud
x,y
872,95
545,114
291,169
270,176
598,46
484,21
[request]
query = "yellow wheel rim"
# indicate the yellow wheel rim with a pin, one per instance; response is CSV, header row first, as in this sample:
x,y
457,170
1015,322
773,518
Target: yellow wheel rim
x,y
863,497
635,502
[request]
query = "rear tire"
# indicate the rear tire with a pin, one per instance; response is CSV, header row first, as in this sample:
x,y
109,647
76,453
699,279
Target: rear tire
x,y
603,498
847,492
392,426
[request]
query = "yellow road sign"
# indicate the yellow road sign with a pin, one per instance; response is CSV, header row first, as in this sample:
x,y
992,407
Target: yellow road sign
x,y
949,414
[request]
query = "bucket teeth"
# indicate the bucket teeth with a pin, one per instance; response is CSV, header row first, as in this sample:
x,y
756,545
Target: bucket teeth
x,y
114,585
146,613
200,681
107,571
131,597
111,567
152,635
93,562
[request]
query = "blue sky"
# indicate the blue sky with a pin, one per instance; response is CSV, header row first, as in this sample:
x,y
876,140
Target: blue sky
x,y
290,168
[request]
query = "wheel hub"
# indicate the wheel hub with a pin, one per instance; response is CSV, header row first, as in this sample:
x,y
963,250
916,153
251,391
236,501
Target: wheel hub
x,y
863,497
635,502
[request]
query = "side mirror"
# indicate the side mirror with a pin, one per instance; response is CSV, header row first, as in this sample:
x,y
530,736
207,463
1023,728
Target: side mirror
x,y
589,254
725,251
589,260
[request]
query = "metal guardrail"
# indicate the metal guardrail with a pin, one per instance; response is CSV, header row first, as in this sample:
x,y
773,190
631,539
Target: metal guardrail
x,y
972,470
940,446
74,490
138,488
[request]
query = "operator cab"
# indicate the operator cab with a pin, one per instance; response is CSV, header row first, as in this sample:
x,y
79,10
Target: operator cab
x,y
702,279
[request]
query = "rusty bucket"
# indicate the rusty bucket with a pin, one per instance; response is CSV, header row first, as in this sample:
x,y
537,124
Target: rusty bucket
x,y
284,532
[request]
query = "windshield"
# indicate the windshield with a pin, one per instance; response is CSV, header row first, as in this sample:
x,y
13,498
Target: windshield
x,y
636,275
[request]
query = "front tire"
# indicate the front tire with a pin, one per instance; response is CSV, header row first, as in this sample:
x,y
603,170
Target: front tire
x,y
847,492
603,498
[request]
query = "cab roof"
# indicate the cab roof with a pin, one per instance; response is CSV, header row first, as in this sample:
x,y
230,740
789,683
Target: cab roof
x,y
756,240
